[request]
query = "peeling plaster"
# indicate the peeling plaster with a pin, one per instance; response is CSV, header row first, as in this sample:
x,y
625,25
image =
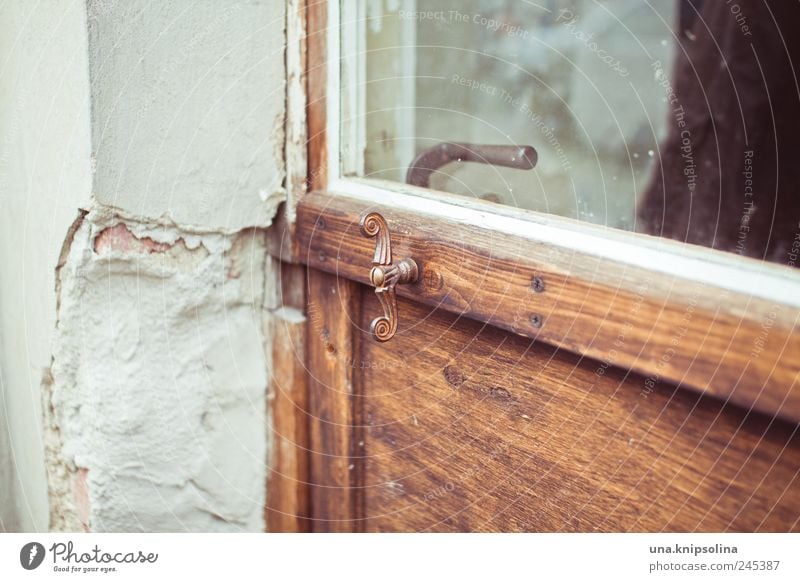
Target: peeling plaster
x,y
159,378
162,127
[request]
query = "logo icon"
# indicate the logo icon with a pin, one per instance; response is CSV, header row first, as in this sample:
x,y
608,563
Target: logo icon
x,y
31,555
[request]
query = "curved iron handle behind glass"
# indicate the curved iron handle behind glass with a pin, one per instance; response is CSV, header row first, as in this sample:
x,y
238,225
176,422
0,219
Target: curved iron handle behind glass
x,y
385,275
425,164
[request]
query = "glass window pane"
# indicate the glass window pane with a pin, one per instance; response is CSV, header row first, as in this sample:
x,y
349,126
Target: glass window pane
x,y
675,118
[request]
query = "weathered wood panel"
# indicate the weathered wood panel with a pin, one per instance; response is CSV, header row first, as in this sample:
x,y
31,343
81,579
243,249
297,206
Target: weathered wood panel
x,y
333,387
288,494
469,428
287,486
734,346
316,87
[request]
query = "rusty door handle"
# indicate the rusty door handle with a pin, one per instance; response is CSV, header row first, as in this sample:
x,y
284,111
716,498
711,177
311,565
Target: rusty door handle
x,y
426,163
385,275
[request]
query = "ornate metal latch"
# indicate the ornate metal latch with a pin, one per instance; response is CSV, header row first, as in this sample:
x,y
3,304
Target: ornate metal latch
x,y
385,275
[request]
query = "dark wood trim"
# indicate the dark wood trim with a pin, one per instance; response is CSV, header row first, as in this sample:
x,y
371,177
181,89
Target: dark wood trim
x,y
336,467
736,347
288,495
316,87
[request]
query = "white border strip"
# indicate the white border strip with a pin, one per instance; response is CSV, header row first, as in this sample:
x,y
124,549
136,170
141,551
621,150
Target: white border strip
x,y
462,557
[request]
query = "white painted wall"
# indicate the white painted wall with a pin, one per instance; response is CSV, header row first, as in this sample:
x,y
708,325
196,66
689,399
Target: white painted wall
x,y
160,375
44,178
163,121
187,108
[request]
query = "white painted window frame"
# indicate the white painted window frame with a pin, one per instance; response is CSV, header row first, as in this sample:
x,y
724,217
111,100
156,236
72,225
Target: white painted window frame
x,y
351,55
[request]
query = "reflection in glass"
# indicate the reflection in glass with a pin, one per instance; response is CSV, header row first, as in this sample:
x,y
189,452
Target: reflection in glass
x,y
675,118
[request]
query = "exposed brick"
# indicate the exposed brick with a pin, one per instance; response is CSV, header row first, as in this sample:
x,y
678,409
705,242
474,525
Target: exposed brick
x,y
119,238
81,493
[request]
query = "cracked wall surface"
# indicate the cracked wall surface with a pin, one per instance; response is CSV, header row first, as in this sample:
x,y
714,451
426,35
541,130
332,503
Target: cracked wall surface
x,y
159,374
141,173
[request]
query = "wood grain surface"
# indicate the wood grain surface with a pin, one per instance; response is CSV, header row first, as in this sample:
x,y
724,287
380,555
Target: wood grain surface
x,y
316,86
287,485
469,428
734,346
531,387
288,494
333,386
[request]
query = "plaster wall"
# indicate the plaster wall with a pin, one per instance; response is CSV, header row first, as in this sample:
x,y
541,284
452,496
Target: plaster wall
x,y
141,164
187,109
45,177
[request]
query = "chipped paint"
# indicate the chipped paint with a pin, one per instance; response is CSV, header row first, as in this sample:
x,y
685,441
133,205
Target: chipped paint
x,y
159,377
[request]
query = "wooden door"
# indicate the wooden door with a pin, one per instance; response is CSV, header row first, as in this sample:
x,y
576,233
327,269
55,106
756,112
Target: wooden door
x,y
456,424
545,375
